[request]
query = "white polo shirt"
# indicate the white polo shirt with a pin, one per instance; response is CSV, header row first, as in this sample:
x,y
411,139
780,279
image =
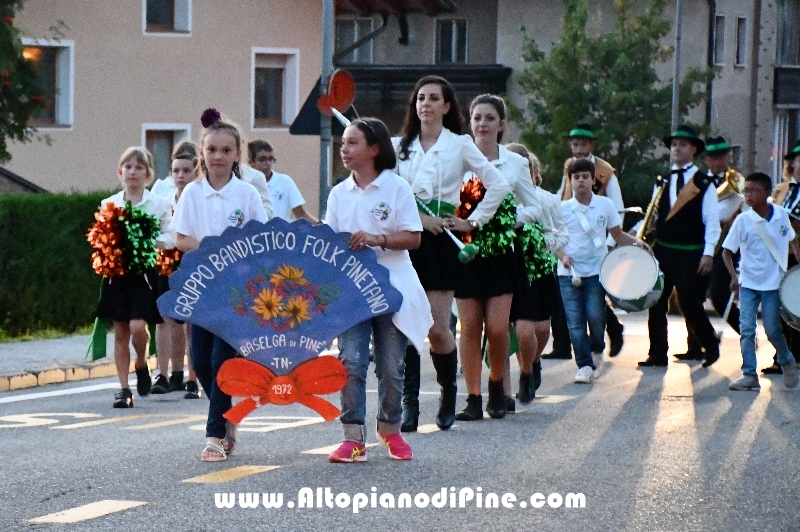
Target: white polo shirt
x,y
259,181
285,196
156,206
602,215
758,268
203,211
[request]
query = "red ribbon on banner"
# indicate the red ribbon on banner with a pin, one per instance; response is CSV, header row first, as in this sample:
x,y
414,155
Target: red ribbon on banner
x,y
239,377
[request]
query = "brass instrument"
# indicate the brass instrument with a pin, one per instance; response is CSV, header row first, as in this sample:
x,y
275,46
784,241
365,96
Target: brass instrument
x,y
734,183
652,208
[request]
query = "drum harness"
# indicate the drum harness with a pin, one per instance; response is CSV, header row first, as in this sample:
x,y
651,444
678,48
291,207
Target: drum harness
x,y
590,232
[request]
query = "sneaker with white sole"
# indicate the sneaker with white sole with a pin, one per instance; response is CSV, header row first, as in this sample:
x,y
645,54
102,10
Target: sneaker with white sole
x,y
399,449
597,358
349,452
790,374
746,383
584,375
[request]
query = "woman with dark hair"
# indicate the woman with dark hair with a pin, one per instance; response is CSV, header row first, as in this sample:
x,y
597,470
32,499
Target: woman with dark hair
x,y
484,295
378,208
433,157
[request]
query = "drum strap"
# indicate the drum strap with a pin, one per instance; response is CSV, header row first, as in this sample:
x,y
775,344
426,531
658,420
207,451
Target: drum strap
x,y
598,242
782,261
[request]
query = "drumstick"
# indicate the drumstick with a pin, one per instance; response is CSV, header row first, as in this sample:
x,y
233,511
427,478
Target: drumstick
x,y
728,307
466,252
576,281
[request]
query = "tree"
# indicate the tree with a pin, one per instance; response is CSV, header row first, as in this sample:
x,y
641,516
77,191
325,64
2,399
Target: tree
x,y
22,95
610,82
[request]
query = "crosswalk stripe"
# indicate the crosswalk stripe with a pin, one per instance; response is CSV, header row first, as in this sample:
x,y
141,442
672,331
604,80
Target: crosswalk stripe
x,y
553,399
100,422
158,424
330,448
87,511
227,475
428,428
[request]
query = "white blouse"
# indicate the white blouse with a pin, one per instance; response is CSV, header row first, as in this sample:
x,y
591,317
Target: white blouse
x,y
438,173
547,211
155,206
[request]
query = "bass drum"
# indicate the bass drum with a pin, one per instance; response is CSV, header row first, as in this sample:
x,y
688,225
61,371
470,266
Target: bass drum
x,y
789,294
631,278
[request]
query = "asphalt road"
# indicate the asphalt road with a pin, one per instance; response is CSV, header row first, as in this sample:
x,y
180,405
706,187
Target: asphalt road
x,y
649,451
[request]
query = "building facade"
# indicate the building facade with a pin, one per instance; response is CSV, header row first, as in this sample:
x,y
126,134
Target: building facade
x,y
140,72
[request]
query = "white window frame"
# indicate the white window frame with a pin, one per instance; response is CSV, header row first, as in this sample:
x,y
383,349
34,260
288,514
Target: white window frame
x,y
365,48
436,39
183,20
291,86
65,81
179,131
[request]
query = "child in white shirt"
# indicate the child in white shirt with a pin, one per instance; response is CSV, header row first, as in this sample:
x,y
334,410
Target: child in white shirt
x,y
763,234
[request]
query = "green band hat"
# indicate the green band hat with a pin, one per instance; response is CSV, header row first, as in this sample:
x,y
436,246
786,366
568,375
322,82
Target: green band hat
x,y
794,152
688,133
582,131
717,146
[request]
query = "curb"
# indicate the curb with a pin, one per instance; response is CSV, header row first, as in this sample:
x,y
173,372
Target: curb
x,y
90,370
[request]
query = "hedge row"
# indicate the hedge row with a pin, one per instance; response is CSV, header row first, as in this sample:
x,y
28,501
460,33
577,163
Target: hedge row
x,y
46,279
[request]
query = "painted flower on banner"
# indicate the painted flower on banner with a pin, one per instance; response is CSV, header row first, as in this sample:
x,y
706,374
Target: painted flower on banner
x,y
285,301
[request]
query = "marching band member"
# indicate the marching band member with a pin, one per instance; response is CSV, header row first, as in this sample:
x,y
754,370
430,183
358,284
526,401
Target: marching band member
x,y
590,219
581,142
433,157
787,195
729,183
485,288
533,305
687,231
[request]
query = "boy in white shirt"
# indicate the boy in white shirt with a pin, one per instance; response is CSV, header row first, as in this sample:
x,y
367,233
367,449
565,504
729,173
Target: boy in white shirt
x,y
763,235
287,201
589,219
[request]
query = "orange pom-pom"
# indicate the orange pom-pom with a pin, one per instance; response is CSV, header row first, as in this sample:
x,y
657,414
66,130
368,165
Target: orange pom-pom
x,y
168,260
472,193
105,236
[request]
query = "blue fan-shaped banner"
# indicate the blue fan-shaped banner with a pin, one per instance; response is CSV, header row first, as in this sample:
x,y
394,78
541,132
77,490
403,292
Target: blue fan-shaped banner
x,y
279,292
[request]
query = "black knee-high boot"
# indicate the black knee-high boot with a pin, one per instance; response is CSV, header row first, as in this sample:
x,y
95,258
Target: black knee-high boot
x,y
446,366
411,391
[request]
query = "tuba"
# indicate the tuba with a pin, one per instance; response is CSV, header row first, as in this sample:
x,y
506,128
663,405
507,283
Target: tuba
x,y
733,185
646,229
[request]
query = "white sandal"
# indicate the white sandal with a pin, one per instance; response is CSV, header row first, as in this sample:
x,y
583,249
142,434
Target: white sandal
x,y
213,445
229,441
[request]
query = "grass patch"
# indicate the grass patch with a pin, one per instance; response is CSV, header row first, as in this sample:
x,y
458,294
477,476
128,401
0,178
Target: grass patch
x,y
45,334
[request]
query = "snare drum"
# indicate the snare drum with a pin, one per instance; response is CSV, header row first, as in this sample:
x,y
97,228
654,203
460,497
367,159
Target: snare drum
x,y
789,294
631,278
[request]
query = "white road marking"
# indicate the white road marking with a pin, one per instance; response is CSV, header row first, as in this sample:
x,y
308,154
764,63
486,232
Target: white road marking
x,y
88,511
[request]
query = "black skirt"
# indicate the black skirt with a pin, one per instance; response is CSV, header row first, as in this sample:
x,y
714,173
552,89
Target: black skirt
x,y
436,262
130,297
487,277
534,301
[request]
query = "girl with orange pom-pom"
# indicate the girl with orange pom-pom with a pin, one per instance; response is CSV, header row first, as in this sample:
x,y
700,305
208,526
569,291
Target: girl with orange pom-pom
x,y
129,300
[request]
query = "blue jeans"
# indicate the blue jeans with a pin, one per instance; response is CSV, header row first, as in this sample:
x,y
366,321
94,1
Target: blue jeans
x,y
582,304
208,352
770,316
390,350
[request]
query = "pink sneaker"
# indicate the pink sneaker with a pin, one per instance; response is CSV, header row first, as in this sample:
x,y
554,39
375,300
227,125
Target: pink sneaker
x,y
398,448
349,452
